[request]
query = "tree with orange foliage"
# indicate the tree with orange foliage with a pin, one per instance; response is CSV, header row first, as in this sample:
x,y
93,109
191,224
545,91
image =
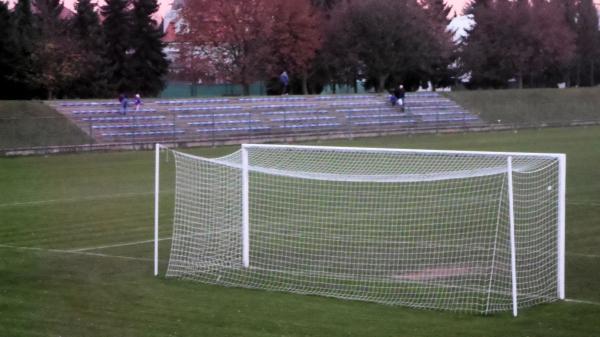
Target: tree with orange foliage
x,y
233,33
296,37
246,39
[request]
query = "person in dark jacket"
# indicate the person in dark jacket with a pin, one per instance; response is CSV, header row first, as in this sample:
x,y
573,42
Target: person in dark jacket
x,y
284,80
124,102
399,94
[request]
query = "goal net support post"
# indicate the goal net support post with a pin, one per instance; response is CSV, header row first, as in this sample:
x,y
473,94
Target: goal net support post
x,y
478,232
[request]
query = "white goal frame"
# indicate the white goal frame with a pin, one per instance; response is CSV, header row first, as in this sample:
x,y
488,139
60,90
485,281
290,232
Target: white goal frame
x,y
246,225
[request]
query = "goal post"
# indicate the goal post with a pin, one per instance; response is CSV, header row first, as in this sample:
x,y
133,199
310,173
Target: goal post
x,y
245,209
156,203
562,188
465,231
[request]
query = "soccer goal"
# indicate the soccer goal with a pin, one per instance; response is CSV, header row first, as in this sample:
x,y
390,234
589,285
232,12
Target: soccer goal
x,y
478,232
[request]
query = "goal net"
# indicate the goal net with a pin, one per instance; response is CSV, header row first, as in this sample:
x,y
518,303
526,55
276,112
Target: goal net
x,y
476,232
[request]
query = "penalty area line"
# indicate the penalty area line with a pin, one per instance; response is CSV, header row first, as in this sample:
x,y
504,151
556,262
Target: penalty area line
x,y
80,199
124,244
61,251
583,255
571,300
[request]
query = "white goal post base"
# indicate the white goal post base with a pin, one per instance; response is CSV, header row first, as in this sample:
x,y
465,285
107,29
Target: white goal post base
x,y
465,231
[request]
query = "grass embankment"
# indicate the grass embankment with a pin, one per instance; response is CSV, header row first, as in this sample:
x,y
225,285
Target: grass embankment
x,y
32,123
531,106
73,261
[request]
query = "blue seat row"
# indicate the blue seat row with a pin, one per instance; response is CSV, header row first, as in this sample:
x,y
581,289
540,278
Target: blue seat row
x,y
129,126
273,98
245,129
142,133
380,109
332,97
207,108
274,106
299,119
297,112
251,121
435,101
403,121
451,119
439,113
240,114
92,112
436,106
121,119
392,115
359,103
194,101
73,104
312,125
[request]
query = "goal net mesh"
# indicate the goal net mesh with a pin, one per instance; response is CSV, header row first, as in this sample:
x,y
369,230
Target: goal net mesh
x,y
420,229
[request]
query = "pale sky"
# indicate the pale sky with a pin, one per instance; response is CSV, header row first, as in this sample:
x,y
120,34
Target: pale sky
x,y
166,4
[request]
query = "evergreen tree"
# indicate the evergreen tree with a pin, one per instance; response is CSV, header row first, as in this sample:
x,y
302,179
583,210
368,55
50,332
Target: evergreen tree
x,y
116,28
86,23
26,35
516,40
442,47
480,54
587,41
88,34
569,10
324,4
56,57
335,63
391,42
149,64
8,56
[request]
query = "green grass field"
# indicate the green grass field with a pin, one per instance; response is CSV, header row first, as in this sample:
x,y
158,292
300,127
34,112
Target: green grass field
x,y
76,255
531,106
33,123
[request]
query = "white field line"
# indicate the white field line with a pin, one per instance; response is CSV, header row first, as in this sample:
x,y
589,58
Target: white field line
x,y
581,301
584,255
584,203
51,201
61,251
134,194
134,243
90,198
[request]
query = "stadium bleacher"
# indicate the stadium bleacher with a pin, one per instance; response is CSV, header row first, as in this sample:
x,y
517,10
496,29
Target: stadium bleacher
x,y
210,118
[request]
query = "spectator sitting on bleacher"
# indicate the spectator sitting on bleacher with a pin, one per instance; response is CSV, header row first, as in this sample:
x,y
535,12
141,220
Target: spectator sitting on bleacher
x,y
398,96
